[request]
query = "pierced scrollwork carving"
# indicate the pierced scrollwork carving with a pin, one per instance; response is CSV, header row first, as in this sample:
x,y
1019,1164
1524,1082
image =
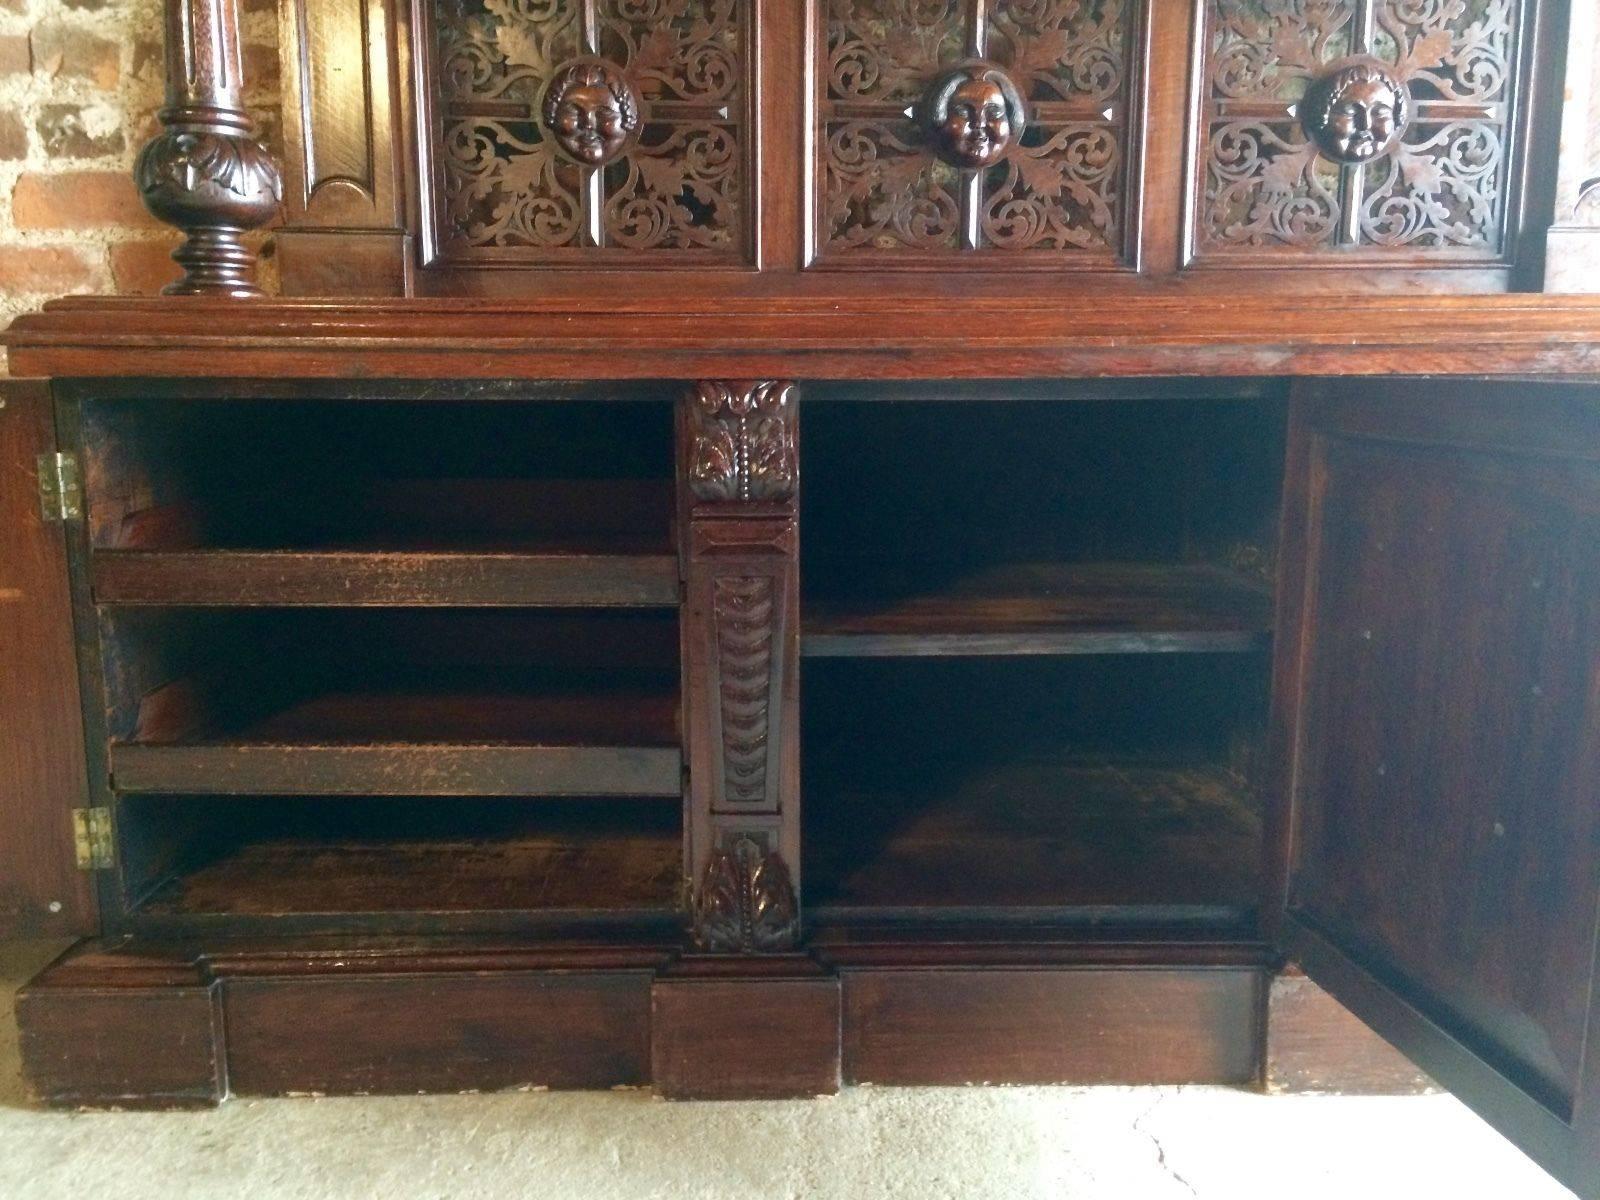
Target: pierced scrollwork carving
x,y
960,126
746,903
743,441
743,609
1332,124
588,130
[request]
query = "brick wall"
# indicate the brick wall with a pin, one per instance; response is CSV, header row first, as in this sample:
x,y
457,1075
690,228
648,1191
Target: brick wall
x,y
80,83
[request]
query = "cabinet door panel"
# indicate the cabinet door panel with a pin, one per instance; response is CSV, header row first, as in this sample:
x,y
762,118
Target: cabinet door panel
x,y
42,773
1442,644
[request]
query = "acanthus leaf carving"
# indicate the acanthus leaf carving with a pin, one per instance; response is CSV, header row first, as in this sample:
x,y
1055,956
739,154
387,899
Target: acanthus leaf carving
x,y
746,903
743,441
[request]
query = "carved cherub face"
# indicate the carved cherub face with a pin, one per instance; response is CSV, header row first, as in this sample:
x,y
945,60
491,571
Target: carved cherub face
x,y
1361,111
977,127
973,115
591,111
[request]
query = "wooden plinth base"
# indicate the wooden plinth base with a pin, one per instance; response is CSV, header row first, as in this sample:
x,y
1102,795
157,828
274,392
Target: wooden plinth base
x,y
125,1024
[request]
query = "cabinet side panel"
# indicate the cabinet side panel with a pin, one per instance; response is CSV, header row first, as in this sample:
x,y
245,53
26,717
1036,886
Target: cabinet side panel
x,y
42,772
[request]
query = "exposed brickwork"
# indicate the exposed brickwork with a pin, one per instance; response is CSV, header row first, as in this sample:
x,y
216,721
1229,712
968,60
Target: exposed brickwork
x,y
80,83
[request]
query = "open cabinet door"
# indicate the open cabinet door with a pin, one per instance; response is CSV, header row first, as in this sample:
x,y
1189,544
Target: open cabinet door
x,y
1438,691
43,893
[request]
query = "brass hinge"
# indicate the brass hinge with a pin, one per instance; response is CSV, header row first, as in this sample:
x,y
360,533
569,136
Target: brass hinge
x,y
60,487
92,837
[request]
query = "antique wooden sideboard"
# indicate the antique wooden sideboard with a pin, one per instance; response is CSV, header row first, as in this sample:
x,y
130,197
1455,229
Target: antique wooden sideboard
x,y
767,545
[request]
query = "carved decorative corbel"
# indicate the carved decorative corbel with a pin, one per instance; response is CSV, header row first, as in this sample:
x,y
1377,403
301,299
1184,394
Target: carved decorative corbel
x,y
743,441
205,172
746,902
738,480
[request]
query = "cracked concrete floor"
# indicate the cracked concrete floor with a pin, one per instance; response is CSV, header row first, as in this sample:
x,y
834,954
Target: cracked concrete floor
x,y
869,1143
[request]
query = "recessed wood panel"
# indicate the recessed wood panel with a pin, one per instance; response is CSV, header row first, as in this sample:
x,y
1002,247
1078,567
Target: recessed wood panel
x,y
1079,1026
1445,811
438,1032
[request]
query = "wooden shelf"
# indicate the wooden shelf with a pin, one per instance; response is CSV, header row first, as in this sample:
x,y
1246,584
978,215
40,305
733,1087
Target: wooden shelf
x,y
566,869
489,576
1086,841
494,739
1095,608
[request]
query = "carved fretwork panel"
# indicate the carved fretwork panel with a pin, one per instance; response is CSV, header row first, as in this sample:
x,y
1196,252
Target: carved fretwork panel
x,y
589,131
1386,129
975,129
738,481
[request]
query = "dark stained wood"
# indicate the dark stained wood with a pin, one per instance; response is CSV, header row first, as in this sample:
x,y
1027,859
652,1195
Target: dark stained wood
x,y
738,478
767,1036
344,151
1120,841
43,773
204,172
1047,608
1442,864
528,866
438,1032
400,741
242,577
1077,1026
641,336
1316,1046
144,1032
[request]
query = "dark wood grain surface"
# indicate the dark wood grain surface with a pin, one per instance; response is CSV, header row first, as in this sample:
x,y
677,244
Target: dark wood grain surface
x,y
43,776
645,337
1046,608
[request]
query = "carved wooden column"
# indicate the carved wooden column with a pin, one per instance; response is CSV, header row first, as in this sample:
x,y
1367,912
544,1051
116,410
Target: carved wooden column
x,y
205,172
738,481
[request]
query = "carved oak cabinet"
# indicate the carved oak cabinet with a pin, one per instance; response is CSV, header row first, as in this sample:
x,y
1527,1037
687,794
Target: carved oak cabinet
x,y
767,546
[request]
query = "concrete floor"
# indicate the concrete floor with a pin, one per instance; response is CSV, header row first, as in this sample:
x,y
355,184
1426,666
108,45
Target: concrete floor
x,y
919,1144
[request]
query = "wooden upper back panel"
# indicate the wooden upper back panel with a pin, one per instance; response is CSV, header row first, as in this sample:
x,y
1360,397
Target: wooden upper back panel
x,y
766,147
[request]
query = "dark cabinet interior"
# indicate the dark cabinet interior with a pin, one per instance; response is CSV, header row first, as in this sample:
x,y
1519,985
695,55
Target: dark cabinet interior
x,y
949,711
1047,704
836,542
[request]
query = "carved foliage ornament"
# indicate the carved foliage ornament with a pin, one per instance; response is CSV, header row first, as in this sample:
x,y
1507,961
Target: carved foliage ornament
x,y
973,125
588,130
743,441
746,903
1332,124
204,172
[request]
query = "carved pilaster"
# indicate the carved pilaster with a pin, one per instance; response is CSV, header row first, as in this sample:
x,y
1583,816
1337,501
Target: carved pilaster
x,y
205,172
738,479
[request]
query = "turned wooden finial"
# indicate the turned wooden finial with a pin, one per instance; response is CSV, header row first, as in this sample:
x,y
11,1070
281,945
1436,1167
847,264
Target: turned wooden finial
x,y
205,172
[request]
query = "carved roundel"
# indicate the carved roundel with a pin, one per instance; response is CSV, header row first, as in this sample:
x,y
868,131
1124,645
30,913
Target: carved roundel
x,y
1356,110
972,115
592,111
